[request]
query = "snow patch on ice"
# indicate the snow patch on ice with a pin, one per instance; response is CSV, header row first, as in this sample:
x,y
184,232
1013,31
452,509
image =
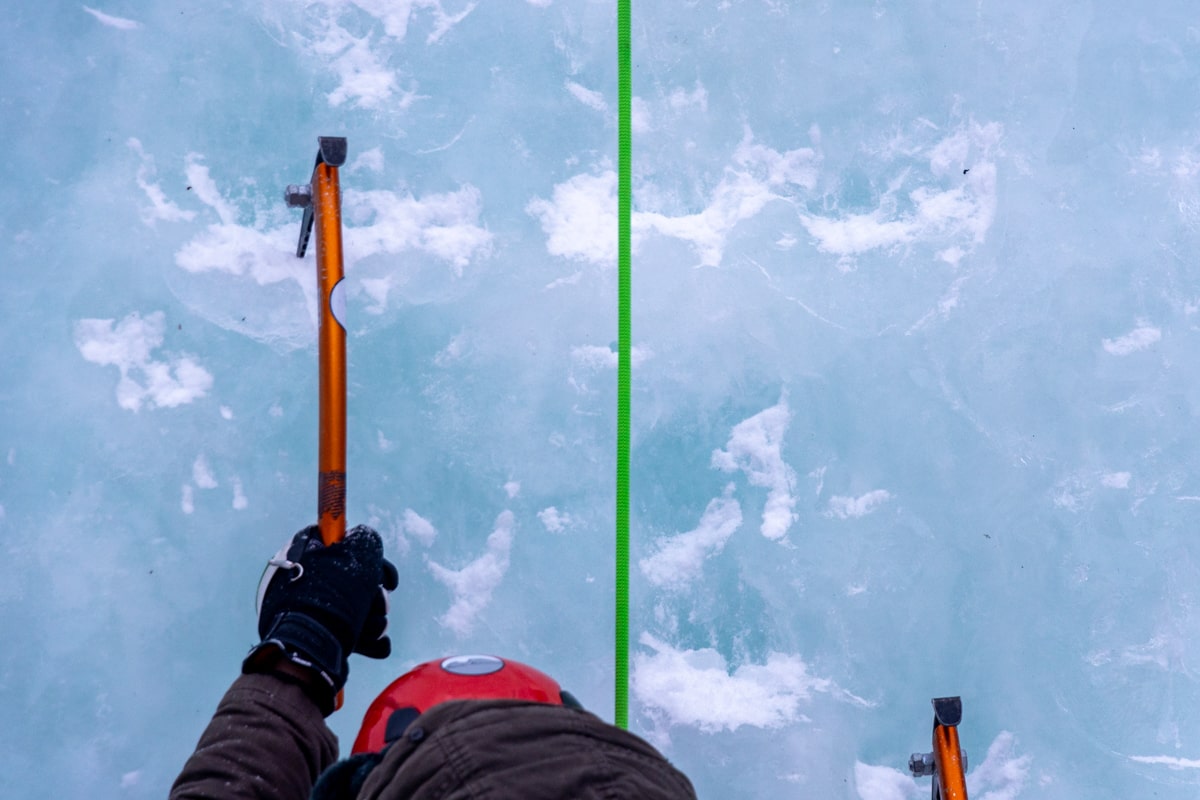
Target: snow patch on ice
x,y
884,783
205,189
120,23
160,207
680,101
818,475
444,225
568,280
202,475
756,448
590,98
1003,774
947,303
952,255
793,167
1164,649
1137,339
266,257
512,488
1077,490
364,79
128,346
854,507
239,496
418,527
472,586
639,116
738,197
443,22
1171,762
596,357
857,233
1115,480
367,160
696,688
360,63
697,98
187,502
453,351
580,219
752,181
960,215
554,520
226,412
680,559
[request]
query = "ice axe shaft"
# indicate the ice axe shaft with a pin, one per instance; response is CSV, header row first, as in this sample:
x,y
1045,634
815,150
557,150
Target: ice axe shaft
x,y
322,205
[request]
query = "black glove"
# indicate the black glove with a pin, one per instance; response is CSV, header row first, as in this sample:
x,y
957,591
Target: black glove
x,y
318,604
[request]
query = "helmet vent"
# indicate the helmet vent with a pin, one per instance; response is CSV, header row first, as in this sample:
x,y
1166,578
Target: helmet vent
x,y
473,665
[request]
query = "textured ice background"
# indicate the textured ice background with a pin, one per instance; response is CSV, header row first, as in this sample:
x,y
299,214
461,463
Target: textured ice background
x,y
915,384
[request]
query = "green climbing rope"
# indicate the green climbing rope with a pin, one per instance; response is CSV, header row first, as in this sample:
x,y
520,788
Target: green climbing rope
x,y
624,93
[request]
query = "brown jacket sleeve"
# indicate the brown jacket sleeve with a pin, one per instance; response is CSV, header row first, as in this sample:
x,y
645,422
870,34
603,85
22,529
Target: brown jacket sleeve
x,y
267,741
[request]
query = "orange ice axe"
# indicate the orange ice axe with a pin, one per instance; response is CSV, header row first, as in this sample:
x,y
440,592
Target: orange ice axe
x,y
322,204
947,764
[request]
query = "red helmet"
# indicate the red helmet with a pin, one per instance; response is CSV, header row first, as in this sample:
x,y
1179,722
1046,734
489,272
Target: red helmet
x,y
456,678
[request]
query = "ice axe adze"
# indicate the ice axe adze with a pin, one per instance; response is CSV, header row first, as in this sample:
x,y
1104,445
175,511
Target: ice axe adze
x,y
322,203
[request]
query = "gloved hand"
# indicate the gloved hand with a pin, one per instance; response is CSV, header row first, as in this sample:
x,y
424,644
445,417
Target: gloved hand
x,y
318,604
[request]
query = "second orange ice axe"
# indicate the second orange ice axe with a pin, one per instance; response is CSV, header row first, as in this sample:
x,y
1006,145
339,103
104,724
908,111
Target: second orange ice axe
x,y
322,203
947,764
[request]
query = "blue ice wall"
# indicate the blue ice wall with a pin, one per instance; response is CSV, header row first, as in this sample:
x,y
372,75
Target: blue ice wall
x,y
915,383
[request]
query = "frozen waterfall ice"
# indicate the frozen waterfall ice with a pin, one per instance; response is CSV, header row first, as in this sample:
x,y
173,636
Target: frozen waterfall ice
x,y
914,393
